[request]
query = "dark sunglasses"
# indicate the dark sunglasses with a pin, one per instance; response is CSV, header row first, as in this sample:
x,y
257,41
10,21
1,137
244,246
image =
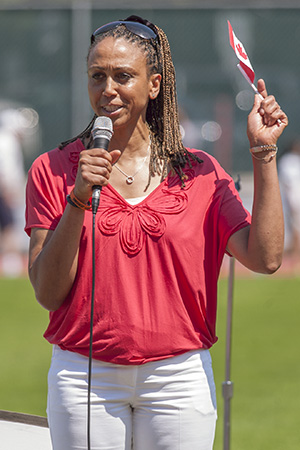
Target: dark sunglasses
x,y
135,27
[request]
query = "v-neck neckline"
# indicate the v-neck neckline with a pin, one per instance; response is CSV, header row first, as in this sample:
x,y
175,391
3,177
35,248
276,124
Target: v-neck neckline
x,y
146,198
116,192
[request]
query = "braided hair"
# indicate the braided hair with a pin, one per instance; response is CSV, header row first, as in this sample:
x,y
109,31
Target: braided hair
x,y
162,114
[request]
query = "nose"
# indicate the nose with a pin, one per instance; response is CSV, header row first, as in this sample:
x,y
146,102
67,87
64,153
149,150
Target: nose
x,y
109,87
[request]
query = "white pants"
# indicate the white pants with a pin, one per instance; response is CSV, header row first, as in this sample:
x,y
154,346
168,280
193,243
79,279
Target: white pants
x,y
162,405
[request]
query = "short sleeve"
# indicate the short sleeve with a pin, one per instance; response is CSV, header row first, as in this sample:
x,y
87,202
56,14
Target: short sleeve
x,y
45,195
233,216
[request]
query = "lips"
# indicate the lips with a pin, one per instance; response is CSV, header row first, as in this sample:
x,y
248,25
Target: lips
x,y
111,108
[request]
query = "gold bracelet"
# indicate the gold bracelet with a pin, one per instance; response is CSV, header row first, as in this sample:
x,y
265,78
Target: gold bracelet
x,y
76,202
262,148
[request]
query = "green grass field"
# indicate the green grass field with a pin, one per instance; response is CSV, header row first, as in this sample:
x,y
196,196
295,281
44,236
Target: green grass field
x,y
265,359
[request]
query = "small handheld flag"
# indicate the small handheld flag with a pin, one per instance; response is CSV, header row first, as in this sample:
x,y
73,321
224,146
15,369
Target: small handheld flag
x,y
244,65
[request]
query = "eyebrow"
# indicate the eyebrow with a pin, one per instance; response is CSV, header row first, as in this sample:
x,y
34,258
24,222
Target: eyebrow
x,y
128,68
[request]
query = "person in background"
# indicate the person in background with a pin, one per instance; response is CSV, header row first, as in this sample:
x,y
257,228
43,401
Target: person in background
x,y
289,180
167,216
12,201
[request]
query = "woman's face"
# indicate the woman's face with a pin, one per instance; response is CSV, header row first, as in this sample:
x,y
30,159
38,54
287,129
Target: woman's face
x,y
119,85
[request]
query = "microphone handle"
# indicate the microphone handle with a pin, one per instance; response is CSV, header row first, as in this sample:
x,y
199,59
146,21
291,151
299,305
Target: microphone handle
x,y
99,142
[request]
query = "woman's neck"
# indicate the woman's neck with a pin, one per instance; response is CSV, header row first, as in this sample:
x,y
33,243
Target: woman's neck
x,y
132,144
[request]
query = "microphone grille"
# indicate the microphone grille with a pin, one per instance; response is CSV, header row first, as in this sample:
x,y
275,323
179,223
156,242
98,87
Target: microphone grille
x,y
103,127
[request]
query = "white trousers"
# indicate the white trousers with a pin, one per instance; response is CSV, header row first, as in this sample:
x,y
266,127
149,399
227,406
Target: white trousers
x,y
162,405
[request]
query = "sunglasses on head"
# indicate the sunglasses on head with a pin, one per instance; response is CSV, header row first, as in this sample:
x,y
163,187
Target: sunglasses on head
x,y
135,27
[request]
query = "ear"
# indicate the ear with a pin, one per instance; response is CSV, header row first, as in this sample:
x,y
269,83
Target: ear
x,y
155,80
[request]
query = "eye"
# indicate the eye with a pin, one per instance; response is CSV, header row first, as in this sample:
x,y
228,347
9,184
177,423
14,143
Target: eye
x,y
123,77
98,76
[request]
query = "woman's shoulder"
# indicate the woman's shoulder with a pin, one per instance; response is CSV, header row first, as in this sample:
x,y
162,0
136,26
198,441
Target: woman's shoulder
x,y
209,162
57,156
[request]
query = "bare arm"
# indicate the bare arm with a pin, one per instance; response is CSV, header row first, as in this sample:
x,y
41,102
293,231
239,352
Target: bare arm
x,y
260,246
53,255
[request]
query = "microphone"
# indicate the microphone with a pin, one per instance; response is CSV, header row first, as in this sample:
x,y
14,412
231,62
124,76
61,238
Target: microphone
x,y
102,132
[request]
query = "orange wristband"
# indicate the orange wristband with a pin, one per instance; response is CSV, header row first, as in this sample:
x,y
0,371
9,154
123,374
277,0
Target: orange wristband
x,y
77,202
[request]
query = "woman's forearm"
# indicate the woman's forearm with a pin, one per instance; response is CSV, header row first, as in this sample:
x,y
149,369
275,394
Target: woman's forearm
x,y
53,258
266,236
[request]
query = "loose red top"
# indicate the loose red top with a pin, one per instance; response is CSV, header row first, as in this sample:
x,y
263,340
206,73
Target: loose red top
x,y
157,262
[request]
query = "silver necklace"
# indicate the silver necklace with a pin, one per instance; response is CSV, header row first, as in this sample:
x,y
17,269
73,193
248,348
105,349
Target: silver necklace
x,y
130,178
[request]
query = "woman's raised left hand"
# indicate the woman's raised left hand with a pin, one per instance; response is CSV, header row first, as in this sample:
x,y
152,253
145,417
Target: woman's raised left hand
x,y
266,120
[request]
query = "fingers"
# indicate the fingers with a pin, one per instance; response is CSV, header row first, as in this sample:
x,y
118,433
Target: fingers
x,y
94,168
272,113
269,109
94,163
266,120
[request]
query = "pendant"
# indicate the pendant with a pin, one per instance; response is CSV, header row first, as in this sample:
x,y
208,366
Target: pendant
x,y
129,180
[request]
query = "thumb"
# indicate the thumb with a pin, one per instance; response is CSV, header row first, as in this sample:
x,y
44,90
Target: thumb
x,y
115,155
261,87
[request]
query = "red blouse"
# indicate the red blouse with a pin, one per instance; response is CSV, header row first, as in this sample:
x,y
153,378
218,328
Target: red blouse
x,y
157,262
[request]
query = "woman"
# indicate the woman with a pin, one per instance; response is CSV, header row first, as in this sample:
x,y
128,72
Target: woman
x,y
289,181
166,217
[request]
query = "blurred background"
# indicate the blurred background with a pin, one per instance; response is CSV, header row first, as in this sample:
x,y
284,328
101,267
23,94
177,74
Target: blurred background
x,y
43,101
43,93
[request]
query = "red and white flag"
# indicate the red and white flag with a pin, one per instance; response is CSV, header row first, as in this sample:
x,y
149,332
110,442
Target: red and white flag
x,y
244,65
